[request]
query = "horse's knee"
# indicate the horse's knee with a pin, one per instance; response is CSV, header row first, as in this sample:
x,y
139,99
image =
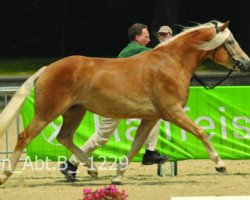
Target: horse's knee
x,y
64,140
60,139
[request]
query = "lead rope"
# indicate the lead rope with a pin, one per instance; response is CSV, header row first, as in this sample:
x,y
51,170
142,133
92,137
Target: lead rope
x,y
213,86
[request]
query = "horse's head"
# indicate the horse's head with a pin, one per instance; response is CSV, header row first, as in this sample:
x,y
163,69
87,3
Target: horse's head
x,y
228,52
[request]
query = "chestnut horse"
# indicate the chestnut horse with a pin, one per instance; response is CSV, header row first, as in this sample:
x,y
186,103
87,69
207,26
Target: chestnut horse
x,y
152,85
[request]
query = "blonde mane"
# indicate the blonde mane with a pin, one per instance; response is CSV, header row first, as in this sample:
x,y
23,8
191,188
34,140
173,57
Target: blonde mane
x,y
218,40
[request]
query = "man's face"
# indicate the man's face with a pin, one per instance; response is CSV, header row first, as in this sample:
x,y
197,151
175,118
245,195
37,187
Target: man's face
x,y
165,36
143,39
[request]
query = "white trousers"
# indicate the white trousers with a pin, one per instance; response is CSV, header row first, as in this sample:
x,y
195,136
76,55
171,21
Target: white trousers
x,y
104,133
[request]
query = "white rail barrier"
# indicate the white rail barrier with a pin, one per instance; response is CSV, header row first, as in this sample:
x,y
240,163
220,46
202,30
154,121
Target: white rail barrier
x,y
5,95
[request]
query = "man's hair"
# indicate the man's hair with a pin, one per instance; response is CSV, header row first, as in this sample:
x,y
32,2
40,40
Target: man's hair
x,y
135,29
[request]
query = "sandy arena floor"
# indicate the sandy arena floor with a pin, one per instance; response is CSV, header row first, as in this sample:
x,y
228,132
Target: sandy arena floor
x,y
195,178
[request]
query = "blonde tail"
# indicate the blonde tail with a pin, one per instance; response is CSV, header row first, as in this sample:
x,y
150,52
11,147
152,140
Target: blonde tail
x,y
12,109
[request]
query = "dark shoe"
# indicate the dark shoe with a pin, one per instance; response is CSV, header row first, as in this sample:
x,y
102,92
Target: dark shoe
x,y
153,157
69,171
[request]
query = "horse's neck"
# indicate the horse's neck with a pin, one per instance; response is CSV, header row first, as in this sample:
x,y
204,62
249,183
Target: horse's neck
x,y
185,56
191,60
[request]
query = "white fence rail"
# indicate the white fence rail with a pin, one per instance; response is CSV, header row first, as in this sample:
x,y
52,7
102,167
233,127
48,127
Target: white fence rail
x,y
5,95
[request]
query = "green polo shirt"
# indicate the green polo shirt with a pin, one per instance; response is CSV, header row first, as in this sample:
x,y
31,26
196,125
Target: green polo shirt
x,y
132,49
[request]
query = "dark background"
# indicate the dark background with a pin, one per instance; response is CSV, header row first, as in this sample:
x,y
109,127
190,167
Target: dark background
x,y
58,28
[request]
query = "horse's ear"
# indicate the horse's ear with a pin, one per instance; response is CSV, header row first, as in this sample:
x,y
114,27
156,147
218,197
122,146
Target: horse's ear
x,y
225,25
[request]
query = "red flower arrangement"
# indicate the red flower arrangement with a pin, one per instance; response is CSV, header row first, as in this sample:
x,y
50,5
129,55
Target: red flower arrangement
x,y
105,193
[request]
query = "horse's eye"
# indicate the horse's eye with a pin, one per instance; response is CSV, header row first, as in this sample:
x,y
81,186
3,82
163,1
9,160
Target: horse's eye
x,y
230,42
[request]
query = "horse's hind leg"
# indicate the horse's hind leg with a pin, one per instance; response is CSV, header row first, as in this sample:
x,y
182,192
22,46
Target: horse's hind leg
x,y
24,138
71,120
140,138
179,118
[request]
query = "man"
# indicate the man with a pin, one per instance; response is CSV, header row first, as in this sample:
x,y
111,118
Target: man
x,y
138,36
164,33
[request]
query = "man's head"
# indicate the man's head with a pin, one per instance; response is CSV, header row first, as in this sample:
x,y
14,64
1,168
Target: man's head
x,y
164,33
139,33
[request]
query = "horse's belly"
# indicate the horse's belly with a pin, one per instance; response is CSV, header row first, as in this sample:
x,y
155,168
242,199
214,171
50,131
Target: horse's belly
x,y
120,110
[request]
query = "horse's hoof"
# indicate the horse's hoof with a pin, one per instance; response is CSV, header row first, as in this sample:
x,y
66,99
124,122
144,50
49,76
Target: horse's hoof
x,y
117,180
1,181
3,178
221,169
93,173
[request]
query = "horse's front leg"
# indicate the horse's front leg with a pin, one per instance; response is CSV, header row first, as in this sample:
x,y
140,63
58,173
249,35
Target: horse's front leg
x,y
179,118
140,137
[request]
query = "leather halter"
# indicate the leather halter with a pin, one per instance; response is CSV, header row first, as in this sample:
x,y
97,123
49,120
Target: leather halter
x,y
231,52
